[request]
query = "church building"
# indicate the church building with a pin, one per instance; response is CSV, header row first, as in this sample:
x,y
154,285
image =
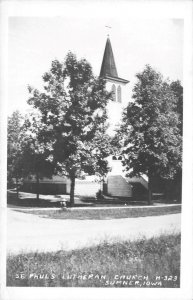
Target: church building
x,y
116,184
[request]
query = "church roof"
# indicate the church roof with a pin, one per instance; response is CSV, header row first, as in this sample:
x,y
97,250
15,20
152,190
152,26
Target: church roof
x,y
108,67
117,79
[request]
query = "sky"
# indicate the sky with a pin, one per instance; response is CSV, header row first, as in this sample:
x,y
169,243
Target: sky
x,y
33,42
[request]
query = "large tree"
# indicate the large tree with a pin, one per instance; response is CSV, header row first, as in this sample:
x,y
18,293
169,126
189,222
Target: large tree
x,y
74,118
14,137
26,155
150,129
34,157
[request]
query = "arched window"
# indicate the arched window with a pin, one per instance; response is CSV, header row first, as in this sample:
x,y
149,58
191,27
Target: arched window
x,y
119,94
120,158
114,158
114,92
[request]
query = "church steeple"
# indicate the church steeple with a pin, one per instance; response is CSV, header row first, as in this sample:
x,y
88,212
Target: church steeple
x,y
108,67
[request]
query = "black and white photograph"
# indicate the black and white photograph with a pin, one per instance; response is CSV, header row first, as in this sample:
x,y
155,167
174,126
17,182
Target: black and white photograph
x,y
96,162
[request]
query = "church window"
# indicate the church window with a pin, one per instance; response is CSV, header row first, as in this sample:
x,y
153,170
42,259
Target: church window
x,y
119,94
114,92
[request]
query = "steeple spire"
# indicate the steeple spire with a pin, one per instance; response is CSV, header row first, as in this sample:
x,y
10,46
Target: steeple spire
x,y
108,67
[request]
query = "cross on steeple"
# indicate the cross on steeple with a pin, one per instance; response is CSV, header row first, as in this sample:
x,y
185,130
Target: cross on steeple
x,y
109,27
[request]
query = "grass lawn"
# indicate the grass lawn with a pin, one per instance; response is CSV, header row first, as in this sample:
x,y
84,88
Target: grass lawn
x,y
107,213
151,262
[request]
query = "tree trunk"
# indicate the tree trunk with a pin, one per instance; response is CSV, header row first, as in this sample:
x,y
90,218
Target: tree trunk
x,y
167,194
37,186
17,189
150,200
72,187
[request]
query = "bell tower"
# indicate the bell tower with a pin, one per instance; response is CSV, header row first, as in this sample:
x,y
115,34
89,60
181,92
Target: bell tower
x,y
114,84
118,87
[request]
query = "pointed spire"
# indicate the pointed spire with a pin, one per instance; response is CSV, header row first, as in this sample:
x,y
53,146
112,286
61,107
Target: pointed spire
x,y
108,67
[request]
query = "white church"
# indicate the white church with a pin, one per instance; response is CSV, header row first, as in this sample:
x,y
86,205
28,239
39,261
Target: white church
x,y
116,183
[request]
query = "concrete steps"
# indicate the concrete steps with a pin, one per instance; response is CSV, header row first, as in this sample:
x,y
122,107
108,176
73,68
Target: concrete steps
x,y
117,186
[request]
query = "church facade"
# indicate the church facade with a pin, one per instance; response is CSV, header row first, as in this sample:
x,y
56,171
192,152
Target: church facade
x,y
116,183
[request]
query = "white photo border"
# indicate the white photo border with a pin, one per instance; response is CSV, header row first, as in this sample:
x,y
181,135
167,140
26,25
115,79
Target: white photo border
x,y
134,9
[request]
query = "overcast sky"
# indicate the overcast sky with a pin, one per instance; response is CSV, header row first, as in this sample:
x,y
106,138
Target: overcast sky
x,y
35,41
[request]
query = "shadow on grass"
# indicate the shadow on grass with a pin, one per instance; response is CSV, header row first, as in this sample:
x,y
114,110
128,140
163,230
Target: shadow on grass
x,y
47,201
29,201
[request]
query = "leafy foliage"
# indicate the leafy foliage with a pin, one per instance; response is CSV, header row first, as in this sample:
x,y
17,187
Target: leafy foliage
x,y
35,158
178,92
14,137
73,117
150,128
26,155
